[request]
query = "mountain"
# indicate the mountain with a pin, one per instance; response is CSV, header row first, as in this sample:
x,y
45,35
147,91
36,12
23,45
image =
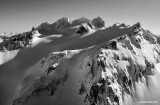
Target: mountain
x,y
80,62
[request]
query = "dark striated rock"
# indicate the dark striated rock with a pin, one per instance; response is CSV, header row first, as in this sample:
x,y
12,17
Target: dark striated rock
x,y
112,45
82,89
82,30
16,42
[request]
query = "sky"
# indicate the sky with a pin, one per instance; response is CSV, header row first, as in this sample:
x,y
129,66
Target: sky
x,y
22,15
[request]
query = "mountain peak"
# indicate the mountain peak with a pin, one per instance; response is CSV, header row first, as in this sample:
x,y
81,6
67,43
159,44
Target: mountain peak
x,y
80,21
137,25
63,22
98,22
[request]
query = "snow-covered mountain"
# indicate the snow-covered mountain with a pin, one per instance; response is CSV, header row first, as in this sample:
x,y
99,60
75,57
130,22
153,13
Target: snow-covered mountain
x,y
80,62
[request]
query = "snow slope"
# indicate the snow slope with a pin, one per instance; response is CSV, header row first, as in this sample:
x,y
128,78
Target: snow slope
x,y
81,63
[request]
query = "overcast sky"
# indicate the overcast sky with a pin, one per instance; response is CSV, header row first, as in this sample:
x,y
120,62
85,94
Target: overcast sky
x,y
21,15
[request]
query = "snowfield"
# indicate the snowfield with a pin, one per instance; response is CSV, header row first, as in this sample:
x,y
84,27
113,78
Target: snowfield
x,y
80,62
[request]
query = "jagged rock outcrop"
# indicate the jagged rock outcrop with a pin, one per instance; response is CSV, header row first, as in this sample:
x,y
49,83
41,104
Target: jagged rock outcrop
x,y
45,28
63,23
16,42
83,29
121,25
61,26
98,22
79,21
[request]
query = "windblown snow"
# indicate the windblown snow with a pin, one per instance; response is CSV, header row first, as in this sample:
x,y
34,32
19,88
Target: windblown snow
x,y
80,62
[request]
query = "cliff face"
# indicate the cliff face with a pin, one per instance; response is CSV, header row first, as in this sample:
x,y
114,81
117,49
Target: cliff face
x,y
16,42
121,71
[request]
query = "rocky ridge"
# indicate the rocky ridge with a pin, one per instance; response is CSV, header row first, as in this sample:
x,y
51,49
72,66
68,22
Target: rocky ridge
x,y
108,73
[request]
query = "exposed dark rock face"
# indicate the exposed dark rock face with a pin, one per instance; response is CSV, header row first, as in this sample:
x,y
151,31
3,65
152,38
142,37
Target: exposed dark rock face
x,y
63,23
112,45
16,42
82,30
80,21
82,89
98,22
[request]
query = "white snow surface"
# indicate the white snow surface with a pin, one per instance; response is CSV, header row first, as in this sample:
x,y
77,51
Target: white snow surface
x,y
116,65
